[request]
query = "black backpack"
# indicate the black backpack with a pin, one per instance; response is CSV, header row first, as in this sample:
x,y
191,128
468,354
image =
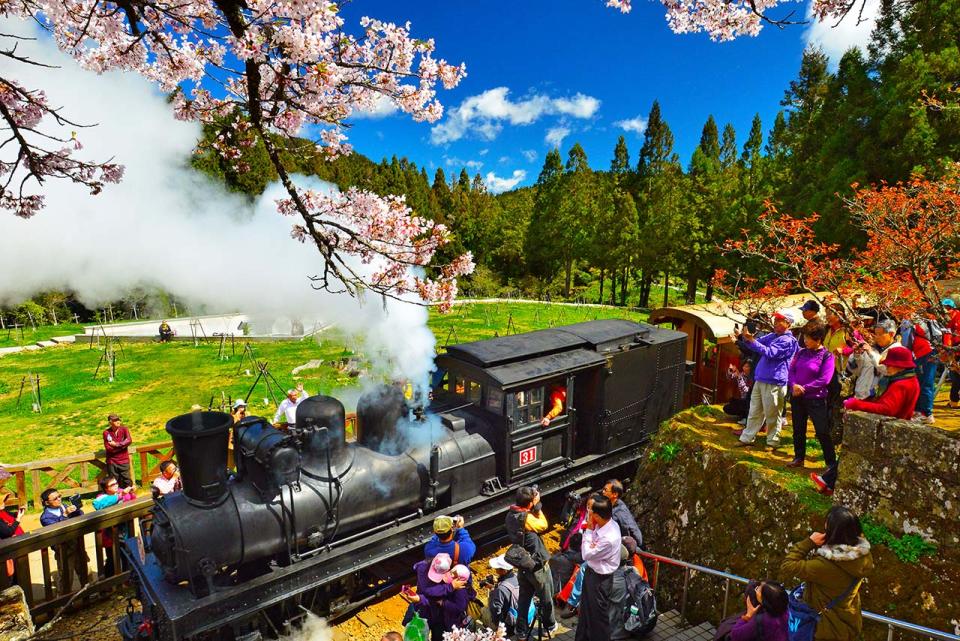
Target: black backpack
x,y
636,615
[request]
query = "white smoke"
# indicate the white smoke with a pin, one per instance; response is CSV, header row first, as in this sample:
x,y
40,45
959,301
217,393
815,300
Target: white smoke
x,y
314,629
170,227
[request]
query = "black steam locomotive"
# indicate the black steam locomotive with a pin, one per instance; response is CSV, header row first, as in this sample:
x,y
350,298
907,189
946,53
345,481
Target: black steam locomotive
x,y
309,521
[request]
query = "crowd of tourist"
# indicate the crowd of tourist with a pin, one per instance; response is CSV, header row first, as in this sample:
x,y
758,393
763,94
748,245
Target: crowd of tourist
x,y
818,367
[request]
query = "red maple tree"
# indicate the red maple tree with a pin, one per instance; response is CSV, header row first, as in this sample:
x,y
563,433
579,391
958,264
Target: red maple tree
x,y
912,235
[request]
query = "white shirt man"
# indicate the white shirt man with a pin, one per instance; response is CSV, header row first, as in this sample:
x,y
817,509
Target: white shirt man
x,y
601,548
288,407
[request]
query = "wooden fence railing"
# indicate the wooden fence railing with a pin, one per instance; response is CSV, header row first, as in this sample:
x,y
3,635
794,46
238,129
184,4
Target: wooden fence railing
x,y
78,474
70,540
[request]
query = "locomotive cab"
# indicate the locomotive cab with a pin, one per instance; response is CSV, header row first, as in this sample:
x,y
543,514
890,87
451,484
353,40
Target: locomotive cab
x,y
613,374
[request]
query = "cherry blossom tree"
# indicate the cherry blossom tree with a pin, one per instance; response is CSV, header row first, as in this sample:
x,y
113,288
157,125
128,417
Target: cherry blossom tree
x,y
912,234
258,70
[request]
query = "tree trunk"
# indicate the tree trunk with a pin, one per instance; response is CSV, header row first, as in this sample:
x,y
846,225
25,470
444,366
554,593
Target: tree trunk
x,y
566,283
691,288
645,282
623,287
709,291
666,289
602,271
613,286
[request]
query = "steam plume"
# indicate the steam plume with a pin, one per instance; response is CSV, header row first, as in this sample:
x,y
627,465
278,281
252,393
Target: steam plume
x,y
170,227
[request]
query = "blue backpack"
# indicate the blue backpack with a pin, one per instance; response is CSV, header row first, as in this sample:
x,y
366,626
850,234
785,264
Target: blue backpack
x,y
802,619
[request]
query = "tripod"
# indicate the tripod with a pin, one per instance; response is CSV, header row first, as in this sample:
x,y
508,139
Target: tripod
x,y
538,623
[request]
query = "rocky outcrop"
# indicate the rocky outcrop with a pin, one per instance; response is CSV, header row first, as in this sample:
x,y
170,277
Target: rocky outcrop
x,y
907,476
15,621
702,500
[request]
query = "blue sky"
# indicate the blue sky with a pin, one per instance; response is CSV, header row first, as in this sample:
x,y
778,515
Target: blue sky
x,y
576,71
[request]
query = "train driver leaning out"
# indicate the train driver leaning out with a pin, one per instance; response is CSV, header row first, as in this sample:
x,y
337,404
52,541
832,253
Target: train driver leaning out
x,y
557,404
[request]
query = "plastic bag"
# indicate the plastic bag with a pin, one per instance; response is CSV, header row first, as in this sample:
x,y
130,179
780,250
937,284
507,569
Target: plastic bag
x,y
417,629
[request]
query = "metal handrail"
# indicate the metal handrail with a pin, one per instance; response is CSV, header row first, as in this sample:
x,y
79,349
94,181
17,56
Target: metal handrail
x,y
890,622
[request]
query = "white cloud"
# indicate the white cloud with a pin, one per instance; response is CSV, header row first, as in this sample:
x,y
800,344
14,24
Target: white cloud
x,y
637,125
496,185
485,114
453,161
555,136
835,40
504,159
483,152
529,154
381,108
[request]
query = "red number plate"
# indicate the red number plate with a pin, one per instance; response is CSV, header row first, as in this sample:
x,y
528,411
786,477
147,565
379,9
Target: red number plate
x,y
528,456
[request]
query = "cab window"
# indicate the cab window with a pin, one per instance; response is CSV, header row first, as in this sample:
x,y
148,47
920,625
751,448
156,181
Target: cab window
x,y
528,406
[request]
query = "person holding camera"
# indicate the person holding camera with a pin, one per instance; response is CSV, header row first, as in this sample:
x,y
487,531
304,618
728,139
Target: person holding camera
x,y
169,479
116,442
450,537
770,387
504,597
525,522
739,405
9,528
71,556
765,617
833,565
111,494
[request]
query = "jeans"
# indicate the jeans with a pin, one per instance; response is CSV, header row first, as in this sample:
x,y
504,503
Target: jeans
x,y
927,377
816,410
766,402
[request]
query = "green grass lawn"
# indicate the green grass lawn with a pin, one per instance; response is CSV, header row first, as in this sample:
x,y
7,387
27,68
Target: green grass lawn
x,y
11,337
158,381
478,321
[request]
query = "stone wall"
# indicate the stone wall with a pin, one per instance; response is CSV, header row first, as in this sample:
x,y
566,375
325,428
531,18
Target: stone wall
x,y
907,476
726,508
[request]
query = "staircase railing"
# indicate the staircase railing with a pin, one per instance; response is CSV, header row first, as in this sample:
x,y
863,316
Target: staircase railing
x,y
728,579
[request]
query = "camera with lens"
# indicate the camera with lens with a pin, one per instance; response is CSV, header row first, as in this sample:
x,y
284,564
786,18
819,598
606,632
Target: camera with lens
x,y
76,501
751,592
488,581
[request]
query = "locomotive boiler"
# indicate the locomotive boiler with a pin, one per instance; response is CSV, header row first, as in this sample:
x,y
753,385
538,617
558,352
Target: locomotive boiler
x,y
307,520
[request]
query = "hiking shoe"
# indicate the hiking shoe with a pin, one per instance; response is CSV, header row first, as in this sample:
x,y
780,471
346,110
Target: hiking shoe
x,y
822,486
797,462
552,630
928,419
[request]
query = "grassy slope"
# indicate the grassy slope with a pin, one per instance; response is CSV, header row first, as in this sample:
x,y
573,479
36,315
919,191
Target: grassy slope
x,y
155,382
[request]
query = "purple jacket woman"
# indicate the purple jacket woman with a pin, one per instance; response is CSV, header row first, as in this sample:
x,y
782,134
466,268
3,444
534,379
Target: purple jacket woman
x,y
812,369
440,603
763,627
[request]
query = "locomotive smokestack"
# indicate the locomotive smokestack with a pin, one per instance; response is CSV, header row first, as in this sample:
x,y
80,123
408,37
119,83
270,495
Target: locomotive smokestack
x,y
378,413
200,440
324,412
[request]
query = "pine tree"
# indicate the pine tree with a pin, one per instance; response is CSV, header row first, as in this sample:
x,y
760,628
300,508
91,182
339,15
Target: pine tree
x,y
542,257
620,165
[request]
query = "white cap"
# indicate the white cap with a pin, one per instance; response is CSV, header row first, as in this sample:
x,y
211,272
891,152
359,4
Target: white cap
x,y
239,403
500,563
